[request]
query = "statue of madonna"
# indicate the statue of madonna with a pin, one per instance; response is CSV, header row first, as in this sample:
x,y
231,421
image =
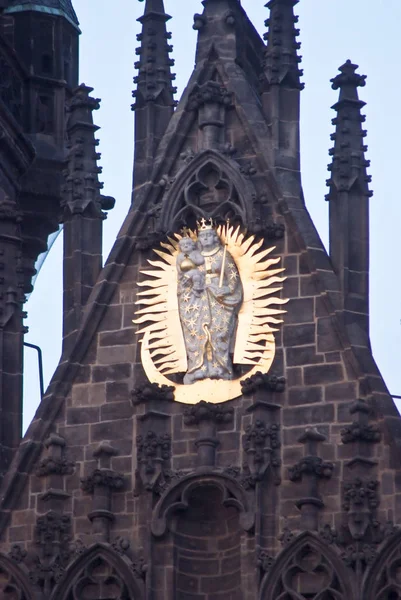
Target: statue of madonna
x,y
209,299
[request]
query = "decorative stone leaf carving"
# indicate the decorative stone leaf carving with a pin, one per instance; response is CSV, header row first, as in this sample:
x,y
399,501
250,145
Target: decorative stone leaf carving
x,y
261,444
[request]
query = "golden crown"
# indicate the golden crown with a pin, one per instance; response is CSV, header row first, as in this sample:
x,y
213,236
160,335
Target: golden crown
x,y
205,224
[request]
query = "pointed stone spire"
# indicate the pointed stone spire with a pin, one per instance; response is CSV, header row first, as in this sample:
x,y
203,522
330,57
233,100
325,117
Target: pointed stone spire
x,y
281,83
83,210
154,65
154,94
281,63
349,203
82,190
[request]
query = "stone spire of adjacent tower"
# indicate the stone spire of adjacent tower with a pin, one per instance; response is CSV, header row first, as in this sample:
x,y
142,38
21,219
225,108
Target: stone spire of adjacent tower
x,y
154,94
349,203
281,83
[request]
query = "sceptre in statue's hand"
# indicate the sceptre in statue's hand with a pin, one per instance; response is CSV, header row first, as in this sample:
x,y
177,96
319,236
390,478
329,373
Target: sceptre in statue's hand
x,y
223,264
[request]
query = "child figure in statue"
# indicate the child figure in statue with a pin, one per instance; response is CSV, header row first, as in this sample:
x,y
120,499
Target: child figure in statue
x,y
188,262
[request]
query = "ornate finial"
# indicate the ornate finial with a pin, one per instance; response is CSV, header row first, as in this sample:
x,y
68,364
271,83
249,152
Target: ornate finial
x,y
281,56
348,76
154,79
349,149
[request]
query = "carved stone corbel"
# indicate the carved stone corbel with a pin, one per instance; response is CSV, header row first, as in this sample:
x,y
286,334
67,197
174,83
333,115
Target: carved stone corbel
x,y
261,441
207,416
153,441
101,483
153,456
310,469
52,539
363,435
55,466
211,100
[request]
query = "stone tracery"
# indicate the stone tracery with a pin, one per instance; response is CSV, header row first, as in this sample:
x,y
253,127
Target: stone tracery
x,y
209,185
99,573
383,581
306,571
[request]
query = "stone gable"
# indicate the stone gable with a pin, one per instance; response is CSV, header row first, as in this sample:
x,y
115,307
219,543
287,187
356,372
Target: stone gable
x,y
288,491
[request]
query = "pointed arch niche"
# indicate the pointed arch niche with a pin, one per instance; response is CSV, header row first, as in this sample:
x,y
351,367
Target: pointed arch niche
x,y
307,570
210,185
99,573
383,580
13,583
202,527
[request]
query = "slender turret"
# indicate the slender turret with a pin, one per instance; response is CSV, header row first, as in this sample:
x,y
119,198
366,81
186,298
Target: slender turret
x,y
281,83
154,94
349,204
83,210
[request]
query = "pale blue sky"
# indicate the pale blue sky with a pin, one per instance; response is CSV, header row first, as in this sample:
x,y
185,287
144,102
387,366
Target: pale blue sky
x,y
331,32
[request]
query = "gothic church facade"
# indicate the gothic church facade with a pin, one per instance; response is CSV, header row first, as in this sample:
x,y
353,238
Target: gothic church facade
x,y
128,488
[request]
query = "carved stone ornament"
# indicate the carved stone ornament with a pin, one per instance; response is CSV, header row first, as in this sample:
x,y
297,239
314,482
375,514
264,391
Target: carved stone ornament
x,y
205,411
211,291
153,456
103,478
264,561
152,391
262,381
261,444
311,465
17,554
52,537
361,498
51,465
361,535
209,93
359,553
360,432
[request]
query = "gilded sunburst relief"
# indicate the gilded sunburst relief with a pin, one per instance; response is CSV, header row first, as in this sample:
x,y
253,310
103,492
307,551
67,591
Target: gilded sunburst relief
x,y
210,302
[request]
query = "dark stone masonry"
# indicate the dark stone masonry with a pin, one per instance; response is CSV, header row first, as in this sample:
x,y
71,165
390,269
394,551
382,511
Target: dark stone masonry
x,y
291,490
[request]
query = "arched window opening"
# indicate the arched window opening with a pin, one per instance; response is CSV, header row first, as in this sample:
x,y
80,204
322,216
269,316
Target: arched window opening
x,y
207,544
